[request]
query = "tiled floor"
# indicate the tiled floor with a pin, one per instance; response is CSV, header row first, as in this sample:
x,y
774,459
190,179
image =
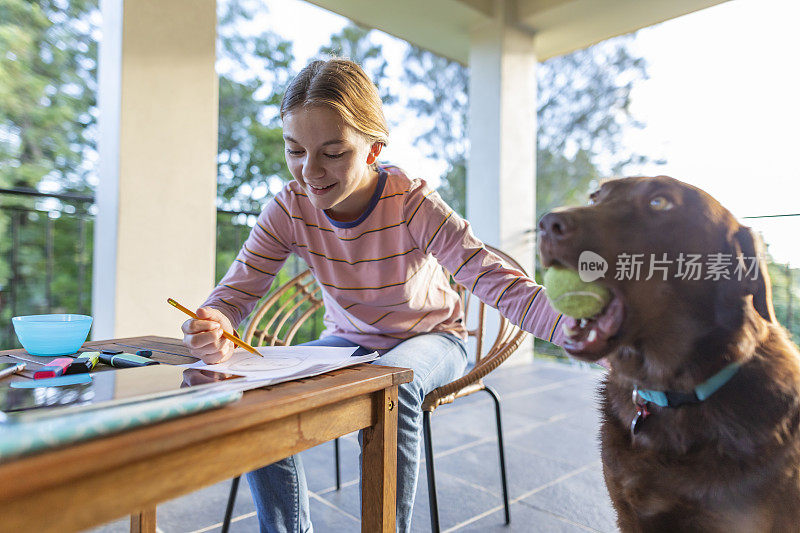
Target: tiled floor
x,y
555,480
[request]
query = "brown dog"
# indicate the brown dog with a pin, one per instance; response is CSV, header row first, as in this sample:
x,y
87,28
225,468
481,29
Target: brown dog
x,y
711,440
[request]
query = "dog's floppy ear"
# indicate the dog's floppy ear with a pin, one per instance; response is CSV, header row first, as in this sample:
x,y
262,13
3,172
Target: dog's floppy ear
x,y
749,249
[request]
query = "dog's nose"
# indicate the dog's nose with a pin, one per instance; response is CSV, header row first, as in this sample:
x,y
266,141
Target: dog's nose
x,y
556,225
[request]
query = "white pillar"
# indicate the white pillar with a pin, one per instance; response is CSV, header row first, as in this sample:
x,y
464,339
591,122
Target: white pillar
x,y
501,175
156,222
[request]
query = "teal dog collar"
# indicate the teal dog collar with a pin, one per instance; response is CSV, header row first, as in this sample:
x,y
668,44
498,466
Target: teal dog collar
x,y
698,394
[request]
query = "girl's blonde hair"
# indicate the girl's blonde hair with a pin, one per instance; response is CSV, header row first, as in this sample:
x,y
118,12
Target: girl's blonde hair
x,y
344,87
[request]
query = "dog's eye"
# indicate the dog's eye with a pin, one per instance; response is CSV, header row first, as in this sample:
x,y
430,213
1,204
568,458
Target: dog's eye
x,y
660,203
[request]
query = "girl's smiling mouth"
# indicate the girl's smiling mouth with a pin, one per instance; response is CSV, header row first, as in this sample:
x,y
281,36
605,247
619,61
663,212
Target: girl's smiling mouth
x,y
320,190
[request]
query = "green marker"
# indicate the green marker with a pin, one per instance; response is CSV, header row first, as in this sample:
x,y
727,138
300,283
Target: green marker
x,y
124,360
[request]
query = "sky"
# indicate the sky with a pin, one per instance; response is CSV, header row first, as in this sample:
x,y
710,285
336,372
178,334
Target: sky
x,y
721,105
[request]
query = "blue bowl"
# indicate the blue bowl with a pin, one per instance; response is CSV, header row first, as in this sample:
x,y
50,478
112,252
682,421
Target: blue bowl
x,y
59,334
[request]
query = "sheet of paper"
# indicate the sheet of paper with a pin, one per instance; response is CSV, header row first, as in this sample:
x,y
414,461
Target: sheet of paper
x,y
284,363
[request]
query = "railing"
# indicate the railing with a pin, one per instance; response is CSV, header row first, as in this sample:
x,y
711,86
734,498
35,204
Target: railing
x,y
46,250
46,256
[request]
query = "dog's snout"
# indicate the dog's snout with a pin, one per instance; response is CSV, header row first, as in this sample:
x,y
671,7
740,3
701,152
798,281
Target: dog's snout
x,y
557,225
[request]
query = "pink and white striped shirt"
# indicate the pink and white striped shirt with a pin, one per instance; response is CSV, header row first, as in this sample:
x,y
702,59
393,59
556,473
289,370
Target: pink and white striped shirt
x,y
381,275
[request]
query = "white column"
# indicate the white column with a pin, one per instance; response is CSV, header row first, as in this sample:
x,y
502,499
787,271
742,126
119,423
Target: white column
x,y
501,175
156,222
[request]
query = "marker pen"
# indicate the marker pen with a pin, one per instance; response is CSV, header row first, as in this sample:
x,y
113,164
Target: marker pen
x,y
125,360
54,368
84,363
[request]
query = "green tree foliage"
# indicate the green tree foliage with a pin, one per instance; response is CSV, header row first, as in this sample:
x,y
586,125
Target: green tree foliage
x,y
786,296
583,106
439,96
254,71
48,68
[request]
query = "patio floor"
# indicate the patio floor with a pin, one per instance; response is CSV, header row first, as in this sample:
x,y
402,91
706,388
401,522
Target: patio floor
x,y
550,424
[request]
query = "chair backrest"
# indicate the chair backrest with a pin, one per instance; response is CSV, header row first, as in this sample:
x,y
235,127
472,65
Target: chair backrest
x,y
276,320
508,339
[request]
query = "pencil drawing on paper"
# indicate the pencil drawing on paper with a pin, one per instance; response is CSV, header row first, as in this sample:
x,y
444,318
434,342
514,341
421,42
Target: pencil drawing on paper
x,y
251,363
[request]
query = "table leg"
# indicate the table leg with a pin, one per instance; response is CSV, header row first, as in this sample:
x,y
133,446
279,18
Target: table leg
x,y
144,521
379,466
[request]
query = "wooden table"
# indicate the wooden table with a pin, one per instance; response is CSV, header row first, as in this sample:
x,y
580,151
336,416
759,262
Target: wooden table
x,y
88,484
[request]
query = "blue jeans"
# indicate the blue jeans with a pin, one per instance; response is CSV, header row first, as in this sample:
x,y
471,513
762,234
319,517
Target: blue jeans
x,y
279,490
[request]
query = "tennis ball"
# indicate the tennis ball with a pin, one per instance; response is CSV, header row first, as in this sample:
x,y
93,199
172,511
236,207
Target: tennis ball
x,y
572,296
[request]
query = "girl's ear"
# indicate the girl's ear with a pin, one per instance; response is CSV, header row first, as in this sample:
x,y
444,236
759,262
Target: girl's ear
x,y
374,151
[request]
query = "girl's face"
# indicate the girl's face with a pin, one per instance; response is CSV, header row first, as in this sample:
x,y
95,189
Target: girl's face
x,y
330,160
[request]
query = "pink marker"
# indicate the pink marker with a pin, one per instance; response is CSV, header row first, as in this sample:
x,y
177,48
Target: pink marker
x,y
54,368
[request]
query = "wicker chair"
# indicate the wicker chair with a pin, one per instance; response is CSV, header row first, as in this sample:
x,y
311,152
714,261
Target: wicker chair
x,y
295,302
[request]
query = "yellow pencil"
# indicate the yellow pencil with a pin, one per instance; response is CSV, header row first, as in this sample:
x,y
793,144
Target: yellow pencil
x,y
236,340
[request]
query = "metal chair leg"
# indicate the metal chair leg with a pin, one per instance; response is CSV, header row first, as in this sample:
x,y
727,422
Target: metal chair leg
x,y
501,447
434,506
226,523
338,468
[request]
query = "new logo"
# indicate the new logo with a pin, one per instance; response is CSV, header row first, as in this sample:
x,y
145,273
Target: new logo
x,y
591,266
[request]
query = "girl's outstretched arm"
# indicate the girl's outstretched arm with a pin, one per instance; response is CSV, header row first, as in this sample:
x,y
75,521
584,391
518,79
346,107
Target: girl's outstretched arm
x,y
437,229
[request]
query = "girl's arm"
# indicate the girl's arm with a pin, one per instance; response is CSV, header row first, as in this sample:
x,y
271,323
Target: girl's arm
x,y
437,229
259,260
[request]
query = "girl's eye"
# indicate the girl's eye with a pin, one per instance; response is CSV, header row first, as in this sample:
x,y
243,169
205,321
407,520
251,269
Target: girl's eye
x,y
293,152
334,156
660,203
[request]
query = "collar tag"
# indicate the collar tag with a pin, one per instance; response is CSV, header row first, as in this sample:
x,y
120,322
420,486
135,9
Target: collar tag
x,y
642,412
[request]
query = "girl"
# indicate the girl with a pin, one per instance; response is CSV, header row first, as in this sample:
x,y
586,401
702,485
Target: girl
x,y
376,241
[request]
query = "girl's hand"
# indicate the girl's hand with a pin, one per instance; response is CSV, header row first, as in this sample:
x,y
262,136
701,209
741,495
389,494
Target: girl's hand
x,y
204,337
